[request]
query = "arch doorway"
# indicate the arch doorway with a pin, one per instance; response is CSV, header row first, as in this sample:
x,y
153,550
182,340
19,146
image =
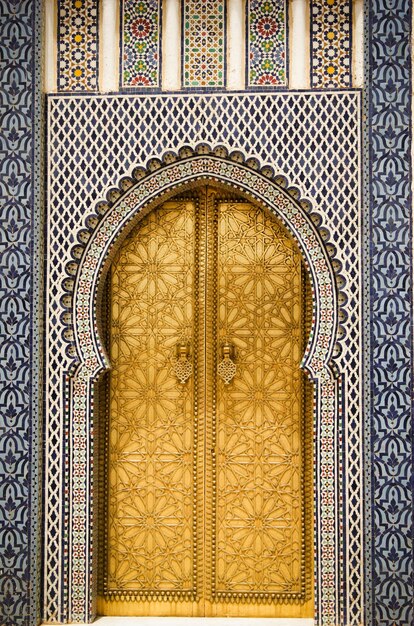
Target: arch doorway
x,y
207,503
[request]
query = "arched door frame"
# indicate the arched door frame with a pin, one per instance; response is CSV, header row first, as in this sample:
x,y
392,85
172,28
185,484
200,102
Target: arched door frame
x,y
108,227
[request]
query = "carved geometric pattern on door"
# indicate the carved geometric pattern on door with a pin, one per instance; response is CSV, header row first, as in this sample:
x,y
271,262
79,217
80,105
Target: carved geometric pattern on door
x,y
202,509
151,436
259,458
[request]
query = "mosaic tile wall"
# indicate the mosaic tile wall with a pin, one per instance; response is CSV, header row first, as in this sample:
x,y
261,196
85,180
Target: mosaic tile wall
x,y
141,43
20,318
267,42
78,45
331,43
389,496
390,482
203,40
274,128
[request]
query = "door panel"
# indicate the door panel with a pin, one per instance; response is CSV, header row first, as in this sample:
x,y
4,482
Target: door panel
x,y
205,458
152,456
258,503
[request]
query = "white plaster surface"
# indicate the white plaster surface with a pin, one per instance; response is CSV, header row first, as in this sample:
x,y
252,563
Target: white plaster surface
x,y
109,46
358,44
299,44
236,51
50,46
171,45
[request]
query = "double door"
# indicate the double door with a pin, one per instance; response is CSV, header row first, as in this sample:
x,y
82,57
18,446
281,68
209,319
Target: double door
x,y
206,497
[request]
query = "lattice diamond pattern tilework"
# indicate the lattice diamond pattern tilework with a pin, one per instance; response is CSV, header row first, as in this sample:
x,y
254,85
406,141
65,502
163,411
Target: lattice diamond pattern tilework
x,y
331,43
267,43
141,43
203,42
77,45
311,138
20,325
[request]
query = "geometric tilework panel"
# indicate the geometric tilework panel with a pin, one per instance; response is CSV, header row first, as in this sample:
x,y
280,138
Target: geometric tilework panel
x,y
313,139
20,279
266,26
391,290
203,42
331,43
77,67
140,43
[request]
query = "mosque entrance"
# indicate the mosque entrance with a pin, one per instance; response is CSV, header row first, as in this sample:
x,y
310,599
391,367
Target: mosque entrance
x,y
208,456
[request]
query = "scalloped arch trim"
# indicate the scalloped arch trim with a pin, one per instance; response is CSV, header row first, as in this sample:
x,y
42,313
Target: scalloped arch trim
x,y
145,188
135,196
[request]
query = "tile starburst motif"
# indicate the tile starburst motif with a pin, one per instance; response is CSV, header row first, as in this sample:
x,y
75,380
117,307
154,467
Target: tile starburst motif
x,y
141,43
331,43
78,45
266,43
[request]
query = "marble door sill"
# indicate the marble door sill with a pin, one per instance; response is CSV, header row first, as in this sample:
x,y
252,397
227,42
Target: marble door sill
x,y
200,621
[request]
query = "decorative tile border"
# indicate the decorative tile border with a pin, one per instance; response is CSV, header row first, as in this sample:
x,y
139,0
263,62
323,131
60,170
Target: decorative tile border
x,y
203,43
93,360
389,53
306,153
390,461
20,313
78,26
331,43
140,44
267,43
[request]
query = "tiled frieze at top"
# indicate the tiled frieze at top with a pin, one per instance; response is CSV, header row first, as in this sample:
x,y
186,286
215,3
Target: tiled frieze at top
x,y
77,45
331,28
140,43
266,43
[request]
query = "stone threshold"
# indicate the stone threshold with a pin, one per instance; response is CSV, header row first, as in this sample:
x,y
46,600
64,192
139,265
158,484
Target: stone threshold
x,y
200,621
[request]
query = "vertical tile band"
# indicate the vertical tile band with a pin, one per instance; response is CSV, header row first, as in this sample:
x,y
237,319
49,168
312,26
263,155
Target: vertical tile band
x,y
267,43
331,43
390,455
140,63
78,45
203,43
20,306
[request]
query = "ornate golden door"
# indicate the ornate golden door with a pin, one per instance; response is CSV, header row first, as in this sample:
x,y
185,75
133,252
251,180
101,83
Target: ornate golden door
x,y
208,504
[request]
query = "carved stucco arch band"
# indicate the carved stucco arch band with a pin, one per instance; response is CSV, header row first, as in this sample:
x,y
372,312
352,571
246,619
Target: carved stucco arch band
x,y
164,178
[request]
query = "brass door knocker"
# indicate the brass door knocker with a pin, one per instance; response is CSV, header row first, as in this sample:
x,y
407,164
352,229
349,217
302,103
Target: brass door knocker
x,y
182,366
226,369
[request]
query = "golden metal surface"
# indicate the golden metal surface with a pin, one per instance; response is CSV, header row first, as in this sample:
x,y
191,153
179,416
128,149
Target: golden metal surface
x,y
258,503
151,458
227,369
182,367
209,486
